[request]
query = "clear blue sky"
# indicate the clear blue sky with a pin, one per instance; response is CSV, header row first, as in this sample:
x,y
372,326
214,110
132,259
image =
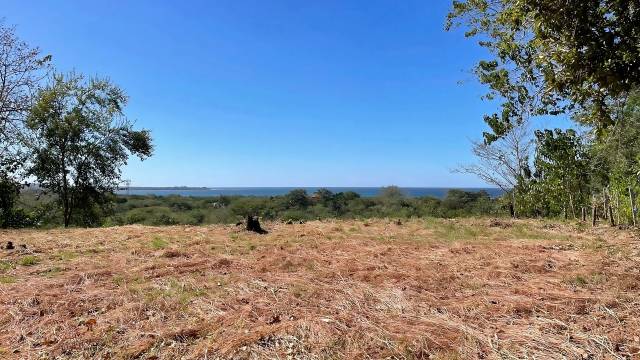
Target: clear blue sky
x,y
277,93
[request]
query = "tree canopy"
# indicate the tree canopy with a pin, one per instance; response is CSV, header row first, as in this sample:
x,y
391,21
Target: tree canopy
x,y
81,139
552,56
21,70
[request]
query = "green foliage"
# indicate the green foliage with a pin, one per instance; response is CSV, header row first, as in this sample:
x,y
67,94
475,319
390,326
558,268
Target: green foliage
x,y
156,210
575,57
10,216
298,199
562,172
21,70
81,141
158,243
552,56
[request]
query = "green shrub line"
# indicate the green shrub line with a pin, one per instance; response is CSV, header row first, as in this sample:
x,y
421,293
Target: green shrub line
x,y
297,205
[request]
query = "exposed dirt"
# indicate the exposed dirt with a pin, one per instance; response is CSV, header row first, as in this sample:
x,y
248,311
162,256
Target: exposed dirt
x,y
443,289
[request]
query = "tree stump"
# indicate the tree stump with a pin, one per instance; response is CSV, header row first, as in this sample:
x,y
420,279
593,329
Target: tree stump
x,y
253,224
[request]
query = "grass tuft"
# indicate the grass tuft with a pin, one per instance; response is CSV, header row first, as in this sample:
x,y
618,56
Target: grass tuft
x,y
158,243
29,260
6,279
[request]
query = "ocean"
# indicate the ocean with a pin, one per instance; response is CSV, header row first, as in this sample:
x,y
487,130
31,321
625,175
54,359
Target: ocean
x,y
274,191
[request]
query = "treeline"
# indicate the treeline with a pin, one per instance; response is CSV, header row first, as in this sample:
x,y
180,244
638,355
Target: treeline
x,y
573,59
66,132
297,205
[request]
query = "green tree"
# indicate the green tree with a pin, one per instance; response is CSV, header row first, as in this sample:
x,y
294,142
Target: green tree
x,y
552,56
562,169
297,199
81,139
324,196
21,70
616,156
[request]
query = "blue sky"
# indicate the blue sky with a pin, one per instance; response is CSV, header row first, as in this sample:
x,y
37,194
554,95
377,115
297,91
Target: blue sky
x,y
277,93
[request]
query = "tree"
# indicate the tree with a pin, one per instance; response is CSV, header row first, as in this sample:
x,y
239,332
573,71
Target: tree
x,y
324,196
81,139
21,70
558,56
503,162
297,199
562,169
616,156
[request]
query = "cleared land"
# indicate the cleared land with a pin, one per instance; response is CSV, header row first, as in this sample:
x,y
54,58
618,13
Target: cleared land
x,y
447,289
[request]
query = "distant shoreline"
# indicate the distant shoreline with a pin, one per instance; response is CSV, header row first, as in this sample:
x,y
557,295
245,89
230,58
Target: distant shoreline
x,y
163,188
438,192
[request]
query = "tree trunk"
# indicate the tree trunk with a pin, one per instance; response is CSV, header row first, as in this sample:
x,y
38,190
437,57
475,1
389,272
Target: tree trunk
x,y
584,214
573,208
512,206
66,206
612,222
618,206
594,214
634,210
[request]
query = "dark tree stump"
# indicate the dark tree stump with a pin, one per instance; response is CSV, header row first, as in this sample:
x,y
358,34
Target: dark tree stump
x,y
253,224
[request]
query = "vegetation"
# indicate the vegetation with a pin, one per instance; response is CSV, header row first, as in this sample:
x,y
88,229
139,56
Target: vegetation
x,y
81,140
22,68
576,58
71,136
295,206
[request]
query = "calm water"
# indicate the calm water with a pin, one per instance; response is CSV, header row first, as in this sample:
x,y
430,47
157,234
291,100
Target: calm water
x,y
273,191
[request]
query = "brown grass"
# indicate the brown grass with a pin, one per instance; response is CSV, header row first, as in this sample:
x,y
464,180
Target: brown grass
x,y
425,289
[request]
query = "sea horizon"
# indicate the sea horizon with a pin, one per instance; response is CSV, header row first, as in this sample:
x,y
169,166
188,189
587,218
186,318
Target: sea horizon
x,y
266,191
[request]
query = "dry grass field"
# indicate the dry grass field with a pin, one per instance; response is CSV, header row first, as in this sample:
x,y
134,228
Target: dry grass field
x,y
424,289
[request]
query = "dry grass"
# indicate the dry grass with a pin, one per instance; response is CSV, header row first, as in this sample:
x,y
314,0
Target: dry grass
x,y
438,289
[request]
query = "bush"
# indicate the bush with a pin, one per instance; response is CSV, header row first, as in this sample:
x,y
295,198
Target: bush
x,y
296,205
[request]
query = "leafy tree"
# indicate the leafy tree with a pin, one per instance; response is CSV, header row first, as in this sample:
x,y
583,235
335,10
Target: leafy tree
x,y
616,155
21,70
324,196
459,199
554,56
341,200
297,199
81,141
562,169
